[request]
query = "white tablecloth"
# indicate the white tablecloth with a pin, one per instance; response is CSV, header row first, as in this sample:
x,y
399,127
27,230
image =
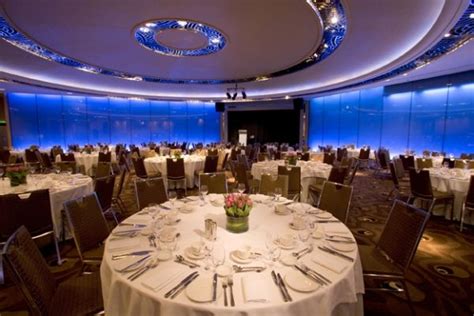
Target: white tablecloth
x,y
310,170
62,187
454,181
354,153
192,163
341,297
87,160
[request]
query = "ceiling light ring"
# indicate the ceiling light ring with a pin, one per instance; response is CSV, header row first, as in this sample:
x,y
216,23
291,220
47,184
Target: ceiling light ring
x,y
332,38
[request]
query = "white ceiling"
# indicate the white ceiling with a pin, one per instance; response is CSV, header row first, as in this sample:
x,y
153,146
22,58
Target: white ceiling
x,y
263,36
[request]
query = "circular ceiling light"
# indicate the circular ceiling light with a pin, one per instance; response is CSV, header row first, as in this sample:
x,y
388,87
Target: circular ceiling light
x,y
146,34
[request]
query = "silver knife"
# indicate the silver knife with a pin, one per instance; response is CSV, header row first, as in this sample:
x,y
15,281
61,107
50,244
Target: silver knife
x,y
133,225
134,264
173,290
185,284
214,287
333,252
341,241
327,221
164,207
322,277
275,280
312,277
135,253
284,287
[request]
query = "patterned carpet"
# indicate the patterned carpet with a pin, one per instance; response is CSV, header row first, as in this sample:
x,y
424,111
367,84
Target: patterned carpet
x,y
440,279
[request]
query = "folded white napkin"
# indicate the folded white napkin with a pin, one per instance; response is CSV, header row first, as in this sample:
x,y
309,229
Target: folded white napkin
x,y
335,228
328,261
123,244
255,289
161,280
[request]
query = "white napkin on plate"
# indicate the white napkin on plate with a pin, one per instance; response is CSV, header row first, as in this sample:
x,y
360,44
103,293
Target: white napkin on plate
x,y
160,280
328,261
255,289
123,244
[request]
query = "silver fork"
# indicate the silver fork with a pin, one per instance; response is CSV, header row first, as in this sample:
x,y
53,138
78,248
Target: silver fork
x,y
224,286
230,282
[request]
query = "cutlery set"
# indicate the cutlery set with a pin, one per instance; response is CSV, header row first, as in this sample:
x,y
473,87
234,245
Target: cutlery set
x,y
313,275
277,279
302,252
131,254
182,260
181,285
150,265
335,253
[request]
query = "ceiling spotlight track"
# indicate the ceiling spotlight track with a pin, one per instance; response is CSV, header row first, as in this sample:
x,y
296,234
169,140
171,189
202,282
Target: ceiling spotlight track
x,y
233,93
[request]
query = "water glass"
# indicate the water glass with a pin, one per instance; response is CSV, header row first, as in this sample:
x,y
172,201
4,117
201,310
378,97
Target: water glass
x,y
203,190
277,193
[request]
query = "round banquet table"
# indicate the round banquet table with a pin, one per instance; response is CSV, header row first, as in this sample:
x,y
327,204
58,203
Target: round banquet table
x,y
455,181
145,295
192,163
62,187
87,160
310,171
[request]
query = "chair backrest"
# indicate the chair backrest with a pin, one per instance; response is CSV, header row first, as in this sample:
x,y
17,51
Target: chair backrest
x,y
329,158
216,182
364,153
408,161
460,164
175,168
338,174
139,167
341,153
424,163
104,188
262,157
420,184
398,164
68,157
336,199
449,162
305,156
268,185
123,176
383,158
224,161
470,194
402,233
30,271
4,156
105,157
67,166
242,159
212,152
149,191
393,175
233,154
241,175
103,169
210,164
46,161
30,156
86,221
353,173
32,210
294,178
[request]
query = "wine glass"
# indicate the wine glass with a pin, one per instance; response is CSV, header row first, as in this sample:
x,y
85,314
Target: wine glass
x,y
172,197
208,247
277,192
203,190
218,256
273,251
153,210
241,187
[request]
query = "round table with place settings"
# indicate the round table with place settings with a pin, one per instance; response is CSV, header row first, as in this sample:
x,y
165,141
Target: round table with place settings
x,y
255,293
455,181
310,171
192,163
62,187
88,160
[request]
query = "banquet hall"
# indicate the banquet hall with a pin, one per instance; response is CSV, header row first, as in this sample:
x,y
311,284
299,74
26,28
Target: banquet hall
x,y
285,157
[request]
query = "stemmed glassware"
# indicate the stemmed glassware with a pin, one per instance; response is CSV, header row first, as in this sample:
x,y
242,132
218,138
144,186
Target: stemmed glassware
x,y
273,250
208,248
172,197
218,256
277,192
203,190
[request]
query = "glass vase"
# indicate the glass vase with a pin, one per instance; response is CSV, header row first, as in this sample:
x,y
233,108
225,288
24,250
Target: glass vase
x,y
237,224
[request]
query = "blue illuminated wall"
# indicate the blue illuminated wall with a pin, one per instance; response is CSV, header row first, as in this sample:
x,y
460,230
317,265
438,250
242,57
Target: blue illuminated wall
x,y
48,120
435,114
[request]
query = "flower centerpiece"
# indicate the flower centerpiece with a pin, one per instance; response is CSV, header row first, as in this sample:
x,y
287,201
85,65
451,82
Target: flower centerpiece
x,y
177,154
291,157
17,175
237,208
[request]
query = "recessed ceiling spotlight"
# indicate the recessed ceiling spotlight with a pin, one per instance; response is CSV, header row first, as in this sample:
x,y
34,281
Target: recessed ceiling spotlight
x,y
326,45
287,97
334,19
447,35
405,74
262,78
145,29
182,23
150,24
315,55
471,16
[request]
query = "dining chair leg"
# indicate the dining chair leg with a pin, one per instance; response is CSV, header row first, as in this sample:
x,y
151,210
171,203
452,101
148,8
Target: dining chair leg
x,y
58,253
407,293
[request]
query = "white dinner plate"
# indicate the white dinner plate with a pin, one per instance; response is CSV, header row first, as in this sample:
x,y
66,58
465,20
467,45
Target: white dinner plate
x,y
323,215
299,282
340,246
186,208
188,252
285,247
234,257
200,290
293,226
